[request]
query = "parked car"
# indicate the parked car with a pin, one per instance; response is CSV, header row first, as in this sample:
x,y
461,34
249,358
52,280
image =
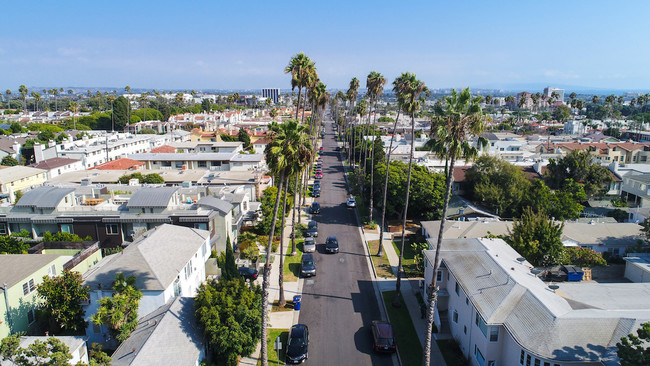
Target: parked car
x,y
309,245
307,265
314,208
297,348
322,149
352,202
318,175
315,192
249,274
382,336
312,229
331,244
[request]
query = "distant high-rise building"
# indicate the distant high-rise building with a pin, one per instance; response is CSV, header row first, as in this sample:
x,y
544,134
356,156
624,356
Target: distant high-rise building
x,y
548,91
272,93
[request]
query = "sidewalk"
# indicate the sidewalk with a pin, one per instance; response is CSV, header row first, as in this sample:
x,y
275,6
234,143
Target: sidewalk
x,y
280,319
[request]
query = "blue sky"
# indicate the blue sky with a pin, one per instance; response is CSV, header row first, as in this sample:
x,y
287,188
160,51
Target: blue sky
x,y
246,44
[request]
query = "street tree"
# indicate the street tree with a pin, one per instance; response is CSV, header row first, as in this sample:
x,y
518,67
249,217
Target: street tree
x,y
62,297
120,311
460,118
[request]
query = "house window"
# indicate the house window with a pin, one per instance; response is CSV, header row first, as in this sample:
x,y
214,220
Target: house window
x,y
466,300
439,276
521,357
492,363
457,289
527,360
66,228
31,316
547,364
481,324
202,164
3,229
29,287
455,317
51,271
201,225
494,334
112,229
537,362
479,356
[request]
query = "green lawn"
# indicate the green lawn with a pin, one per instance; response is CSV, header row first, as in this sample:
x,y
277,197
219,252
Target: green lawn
x,y
408,262
408,343
451,356
382,266
292,263
273,354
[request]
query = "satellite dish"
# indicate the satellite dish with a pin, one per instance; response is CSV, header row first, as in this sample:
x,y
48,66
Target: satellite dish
x,y
553,287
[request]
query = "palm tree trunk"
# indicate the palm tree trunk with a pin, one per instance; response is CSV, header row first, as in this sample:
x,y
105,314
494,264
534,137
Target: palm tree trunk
x,y
298,104
281,300
372,165
432,290
296,205
266,283
380,252
398,283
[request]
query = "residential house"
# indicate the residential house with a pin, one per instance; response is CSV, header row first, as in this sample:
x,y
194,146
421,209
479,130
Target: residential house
x,y
637,267
167,336
168,261
19,178
613,238
58,166
636,189
501,313
76,346
228,161
212,147
20,274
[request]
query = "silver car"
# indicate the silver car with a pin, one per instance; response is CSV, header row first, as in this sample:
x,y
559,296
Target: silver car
x,y
309,246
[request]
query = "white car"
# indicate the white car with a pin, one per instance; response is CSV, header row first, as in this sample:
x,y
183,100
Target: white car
x,y
309,246
352,202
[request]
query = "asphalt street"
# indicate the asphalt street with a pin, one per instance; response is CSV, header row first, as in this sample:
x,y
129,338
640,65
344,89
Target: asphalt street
x,y
339,303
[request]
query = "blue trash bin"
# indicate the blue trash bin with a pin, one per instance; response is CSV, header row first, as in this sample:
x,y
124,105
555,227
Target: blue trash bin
x,y
296,302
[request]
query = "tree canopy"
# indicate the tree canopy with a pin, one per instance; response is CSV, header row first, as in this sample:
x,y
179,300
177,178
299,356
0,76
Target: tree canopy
x,y
153,178
120,312
633,350
229,312
537,238
62,297
577,165
52,352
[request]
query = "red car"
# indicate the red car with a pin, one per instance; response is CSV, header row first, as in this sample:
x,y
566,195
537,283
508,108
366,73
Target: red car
x,y
322,148
318,175
382,335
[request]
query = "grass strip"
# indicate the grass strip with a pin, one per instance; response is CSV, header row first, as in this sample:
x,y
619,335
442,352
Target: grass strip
x,y
408,343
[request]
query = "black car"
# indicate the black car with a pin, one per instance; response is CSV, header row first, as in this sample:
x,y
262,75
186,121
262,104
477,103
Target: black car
x,y
307,265
316,186
382,336
298,344
312,229
315,192
331,245
248,273
314,208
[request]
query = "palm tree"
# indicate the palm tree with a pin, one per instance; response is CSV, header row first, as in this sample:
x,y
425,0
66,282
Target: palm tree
x,y
376,84
23,94
398,86
7,94
111,98
595,99
73,109
37,98
302,70
460,118
413,93
280,152
55,92
352,98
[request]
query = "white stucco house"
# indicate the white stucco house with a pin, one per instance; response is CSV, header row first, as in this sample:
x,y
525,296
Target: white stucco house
x,y
168,261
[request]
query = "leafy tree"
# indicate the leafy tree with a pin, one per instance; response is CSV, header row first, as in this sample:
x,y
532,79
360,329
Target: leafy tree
x,y
98,357
228,138
121,112
9,160
229,269
63,236
537,238
633,350
577,165
229,312
153,178
244,137
17,196
12,245
385,119
147,131
583,257
561,113
52,352
46,136
59,139
120,312
62,297
206,105
16,127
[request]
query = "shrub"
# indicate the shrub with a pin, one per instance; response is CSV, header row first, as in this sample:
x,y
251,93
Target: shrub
x,y
583,257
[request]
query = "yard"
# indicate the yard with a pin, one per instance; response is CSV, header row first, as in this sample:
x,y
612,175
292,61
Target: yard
x,y
451,353
408,261
273,354
382,266
408,343
292,263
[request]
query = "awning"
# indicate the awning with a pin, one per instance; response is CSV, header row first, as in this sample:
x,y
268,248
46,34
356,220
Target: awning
x,y
194,219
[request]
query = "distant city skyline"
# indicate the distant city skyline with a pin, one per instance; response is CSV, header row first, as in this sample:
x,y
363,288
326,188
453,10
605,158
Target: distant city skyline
x,y
510,45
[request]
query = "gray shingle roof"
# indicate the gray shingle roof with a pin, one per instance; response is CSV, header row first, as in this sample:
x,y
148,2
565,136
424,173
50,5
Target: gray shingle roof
x,y
151,197
15,268
17,172
155,260
44,197
247,158
167,336
215,203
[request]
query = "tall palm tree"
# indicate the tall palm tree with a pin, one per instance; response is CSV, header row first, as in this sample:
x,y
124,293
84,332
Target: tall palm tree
x,y
37,98
279,152
398,86
352,98
55,92
413,93
375,82
302,70
7,94
23,94
73,109
460,118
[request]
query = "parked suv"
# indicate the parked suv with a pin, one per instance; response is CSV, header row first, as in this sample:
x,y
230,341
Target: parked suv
x,y
314,208
382,335
307,265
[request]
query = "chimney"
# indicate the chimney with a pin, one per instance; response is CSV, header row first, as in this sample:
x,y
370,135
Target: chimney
x,y
38,153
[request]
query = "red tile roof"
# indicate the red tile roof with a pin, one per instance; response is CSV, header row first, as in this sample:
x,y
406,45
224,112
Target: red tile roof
x,y
164,149
120,164
459,173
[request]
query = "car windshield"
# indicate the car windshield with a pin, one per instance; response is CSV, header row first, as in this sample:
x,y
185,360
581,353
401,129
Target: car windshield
x,y
385,341
332,242
307,262
313,225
